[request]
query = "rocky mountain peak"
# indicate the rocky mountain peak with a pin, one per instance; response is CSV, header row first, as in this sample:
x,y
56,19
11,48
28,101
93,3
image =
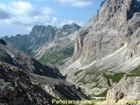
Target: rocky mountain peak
x,y
67,29
116,20
72,26
117,11
40,30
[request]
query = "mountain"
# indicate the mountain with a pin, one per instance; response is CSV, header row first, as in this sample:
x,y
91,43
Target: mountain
x,y
105,62
27,63
61,48
67,30
55,52
39,36
25,81
106,48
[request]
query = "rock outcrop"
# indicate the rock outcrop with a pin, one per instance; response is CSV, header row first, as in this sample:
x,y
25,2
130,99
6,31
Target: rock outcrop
x,y
126,92
3,42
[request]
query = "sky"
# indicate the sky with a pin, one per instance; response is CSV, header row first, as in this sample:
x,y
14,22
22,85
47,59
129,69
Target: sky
x,y
19,16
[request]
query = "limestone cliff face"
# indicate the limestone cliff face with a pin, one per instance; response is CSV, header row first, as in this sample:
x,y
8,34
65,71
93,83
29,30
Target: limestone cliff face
x,y
112,26
42,34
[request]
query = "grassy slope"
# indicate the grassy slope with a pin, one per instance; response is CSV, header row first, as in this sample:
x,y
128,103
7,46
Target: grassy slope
x,y
58,56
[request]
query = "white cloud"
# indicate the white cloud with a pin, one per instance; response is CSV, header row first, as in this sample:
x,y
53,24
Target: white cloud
x,y
24,13
61,23
77,3
54,20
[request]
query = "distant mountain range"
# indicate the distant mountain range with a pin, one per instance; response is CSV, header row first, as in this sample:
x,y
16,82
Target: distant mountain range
x,y
44,42
39,36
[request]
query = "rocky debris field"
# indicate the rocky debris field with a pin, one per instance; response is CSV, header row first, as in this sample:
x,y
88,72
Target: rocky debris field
x,y
17,89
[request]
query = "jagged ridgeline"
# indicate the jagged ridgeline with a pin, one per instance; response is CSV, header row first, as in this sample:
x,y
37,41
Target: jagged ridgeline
x,y
48,44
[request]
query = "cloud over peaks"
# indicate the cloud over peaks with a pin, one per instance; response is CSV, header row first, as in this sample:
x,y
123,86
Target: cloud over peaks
x,y
24,13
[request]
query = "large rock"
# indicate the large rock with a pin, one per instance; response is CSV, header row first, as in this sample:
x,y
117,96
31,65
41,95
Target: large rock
x,y
125,92
3,42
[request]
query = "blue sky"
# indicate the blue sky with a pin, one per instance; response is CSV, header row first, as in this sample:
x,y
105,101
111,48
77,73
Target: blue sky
x,y
19,16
